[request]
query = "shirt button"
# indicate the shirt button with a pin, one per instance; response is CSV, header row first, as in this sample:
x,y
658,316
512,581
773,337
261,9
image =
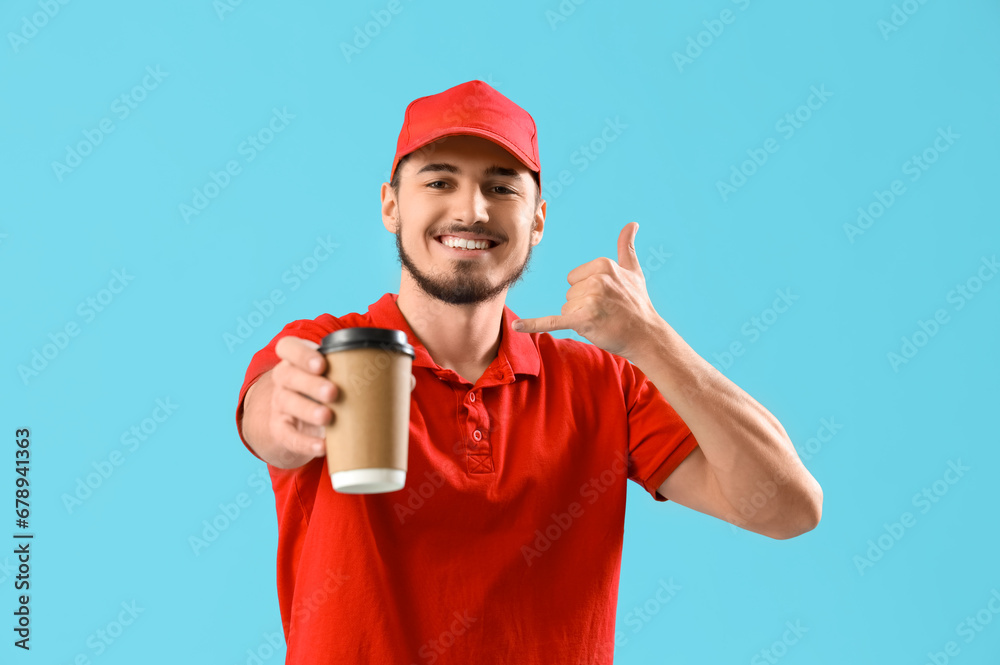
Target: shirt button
x,y
472,397
477,435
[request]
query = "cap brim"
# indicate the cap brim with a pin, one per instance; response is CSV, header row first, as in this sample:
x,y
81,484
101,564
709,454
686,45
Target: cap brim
x,y
473,131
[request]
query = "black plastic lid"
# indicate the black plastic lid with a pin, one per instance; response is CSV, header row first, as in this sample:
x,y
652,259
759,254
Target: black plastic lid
x,y
366,338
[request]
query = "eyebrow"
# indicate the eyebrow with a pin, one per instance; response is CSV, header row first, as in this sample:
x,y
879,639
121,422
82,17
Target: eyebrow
x,y
496,169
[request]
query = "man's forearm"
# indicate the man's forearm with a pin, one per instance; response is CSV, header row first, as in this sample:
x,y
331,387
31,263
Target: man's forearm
x,y
743,443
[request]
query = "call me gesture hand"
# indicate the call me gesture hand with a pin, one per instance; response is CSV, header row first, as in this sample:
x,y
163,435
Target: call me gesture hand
x,y
738,452
607,302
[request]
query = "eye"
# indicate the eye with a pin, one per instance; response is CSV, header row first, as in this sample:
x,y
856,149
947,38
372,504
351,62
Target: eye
x,y
505,191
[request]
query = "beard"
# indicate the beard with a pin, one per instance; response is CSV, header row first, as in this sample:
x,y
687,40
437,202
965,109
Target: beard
x,y
466,283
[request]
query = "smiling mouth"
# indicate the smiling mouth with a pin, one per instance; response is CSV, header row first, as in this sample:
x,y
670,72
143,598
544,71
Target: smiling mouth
x,y
461,244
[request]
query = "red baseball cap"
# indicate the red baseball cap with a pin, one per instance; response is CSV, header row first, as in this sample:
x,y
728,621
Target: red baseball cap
x,y
473,108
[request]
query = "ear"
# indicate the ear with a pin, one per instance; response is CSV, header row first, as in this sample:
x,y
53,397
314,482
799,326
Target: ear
x,y
390,208
539,219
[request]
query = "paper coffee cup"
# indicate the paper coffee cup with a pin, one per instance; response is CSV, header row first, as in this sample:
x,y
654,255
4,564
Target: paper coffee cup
x,y
368,441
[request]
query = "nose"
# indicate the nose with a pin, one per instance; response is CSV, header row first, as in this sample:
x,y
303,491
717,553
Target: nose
x,y
470,205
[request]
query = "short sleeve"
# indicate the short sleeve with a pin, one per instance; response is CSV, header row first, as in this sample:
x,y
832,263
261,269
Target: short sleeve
x,y
267,358
658,440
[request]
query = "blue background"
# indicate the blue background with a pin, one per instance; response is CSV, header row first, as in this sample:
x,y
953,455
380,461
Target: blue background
x,y
574,67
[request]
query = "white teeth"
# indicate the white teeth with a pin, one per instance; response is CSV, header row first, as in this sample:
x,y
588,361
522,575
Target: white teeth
x,y
465,244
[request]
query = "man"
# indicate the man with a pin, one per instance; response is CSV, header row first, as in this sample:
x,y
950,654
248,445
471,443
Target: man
x,y
506,544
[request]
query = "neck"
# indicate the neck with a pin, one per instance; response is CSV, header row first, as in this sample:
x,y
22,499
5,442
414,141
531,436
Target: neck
x,y
463,338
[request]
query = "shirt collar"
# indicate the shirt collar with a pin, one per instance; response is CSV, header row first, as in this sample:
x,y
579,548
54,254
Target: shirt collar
x,y
517,354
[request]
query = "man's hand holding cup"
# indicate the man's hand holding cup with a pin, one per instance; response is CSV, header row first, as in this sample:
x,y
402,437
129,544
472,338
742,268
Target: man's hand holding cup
x,y
287,410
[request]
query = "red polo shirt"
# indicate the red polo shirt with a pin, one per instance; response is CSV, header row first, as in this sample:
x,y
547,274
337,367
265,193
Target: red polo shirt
x,y
505,545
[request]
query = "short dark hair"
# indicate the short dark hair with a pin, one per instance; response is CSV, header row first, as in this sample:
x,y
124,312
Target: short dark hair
x,y
394,183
